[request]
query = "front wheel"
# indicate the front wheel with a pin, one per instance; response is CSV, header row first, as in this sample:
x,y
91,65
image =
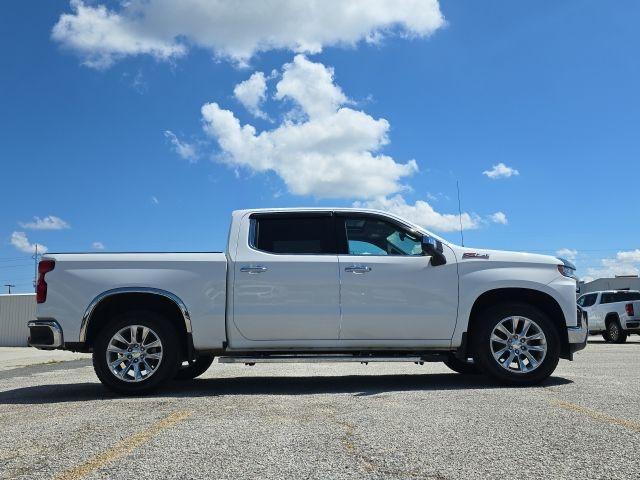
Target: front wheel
x,y
136,352
516,344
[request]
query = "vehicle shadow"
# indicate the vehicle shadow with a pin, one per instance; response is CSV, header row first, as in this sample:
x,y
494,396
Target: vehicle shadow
x,y
357,385
632,341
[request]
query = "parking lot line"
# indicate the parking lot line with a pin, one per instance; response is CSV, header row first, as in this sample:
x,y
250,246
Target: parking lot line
x,y
122,448
594,414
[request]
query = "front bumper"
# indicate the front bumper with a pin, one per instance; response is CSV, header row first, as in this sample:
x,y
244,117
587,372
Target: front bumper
x,y
45,334
577,337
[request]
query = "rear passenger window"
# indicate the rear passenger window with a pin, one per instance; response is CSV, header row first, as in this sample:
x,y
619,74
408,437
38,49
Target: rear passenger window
x,y
294,235
630,296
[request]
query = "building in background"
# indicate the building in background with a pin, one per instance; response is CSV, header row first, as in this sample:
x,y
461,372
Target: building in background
x,y
624,282
15,311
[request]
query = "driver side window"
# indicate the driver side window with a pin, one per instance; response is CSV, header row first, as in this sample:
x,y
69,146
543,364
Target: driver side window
x,y
372,236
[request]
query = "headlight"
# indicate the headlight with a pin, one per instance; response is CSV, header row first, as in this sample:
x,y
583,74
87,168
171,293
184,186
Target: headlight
x,y
567,271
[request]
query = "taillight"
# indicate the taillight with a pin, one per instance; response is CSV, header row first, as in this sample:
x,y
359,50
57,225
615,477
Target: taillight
x,y
44,267
629,308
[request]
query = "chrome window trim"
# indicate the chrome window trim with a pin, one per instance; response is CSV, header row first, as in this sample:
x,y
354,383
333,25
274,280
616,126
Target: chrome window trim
x,y
122,290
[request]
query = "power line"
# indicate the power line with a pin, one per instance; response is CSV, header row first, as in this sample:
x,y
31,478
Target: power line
x,y
13,259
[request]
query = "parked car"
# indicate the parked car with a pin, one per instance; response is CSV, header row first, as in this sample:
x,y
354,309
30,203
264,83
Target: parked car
x,y
310,285
613,313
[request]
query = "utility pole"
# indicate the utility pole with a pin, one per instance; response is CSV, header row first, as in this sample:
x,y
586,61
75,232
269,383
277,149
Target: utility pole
x,y
35,273
459,212
8,285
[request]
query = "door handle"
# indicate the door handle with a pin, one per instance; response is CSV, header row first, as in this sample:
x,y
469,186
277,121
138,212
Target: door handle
x,y
253,269
357,269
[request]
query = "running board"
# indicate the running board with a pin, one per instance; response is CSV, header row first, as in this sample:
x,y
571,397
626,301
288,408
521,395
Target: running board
x,y
247,360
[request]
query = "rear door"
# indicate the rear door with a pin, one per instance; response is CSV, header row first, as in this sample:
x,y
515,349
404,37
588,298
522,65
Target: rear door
x,y
286,284
389,290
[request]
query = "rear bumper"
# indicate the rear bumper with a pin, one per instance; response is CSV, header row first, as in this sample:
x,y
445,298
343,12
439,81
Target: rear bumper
x,y
45,334
632,324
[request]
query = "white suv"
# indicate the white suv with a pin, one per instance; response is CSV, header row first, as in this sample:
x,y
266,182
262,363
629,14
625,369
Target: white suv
x,y
613,313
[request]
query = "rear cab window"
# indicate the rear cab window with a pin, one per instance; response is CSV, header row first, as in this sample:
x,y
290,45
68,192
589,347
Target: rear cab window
x,y
614,297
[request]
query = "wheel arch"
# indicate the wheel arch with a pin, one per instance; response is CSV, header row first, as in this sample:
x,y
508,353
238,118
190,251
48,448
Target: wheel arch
x,y
610,317
119,300
542,300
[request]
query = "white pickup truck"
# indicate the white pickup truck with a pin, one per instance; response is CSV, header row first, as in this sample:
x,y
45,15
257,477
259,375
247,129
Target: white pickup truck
x,y
613,313
299,285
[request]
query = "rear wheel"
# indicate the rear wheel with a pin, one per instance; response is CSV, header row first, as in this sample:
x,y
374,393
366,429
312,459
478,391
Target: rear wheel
x,y
136,353
466,367
192,369
614,332
516,343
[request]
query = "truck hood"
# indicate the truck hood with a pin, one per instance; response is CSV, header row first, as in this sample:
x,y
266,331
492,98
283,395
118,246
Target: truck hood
x,y
466,254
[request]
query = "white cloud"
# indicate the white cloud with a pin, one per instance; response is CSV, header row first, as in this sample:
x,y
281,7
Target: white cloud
x,y
567,253
499,217
631,256
97,246
624,263
102,36
501,171
251,93
21,242
47,223
155,200
423,214
185,150
311,86
165,29
321,149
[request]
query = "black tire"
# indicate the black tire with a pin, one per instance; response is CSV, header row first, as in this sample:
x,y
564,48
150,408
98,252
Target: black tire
x,y
166,368
191,370
487,321
606,337
615,333
469,367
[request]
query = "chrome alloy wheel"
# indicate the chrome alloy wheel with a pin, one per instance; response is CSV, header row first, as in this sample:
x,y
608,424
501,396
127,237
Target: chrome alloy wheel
x,y
518,344
134,353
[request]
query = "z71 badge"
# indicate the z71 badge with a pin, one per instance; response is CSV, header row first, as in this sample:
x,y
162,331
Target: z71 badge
x,y
479,256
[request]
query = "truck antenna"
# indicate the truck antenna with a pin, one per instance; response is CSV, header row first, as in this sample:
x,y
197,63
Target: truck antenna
x,y
460,212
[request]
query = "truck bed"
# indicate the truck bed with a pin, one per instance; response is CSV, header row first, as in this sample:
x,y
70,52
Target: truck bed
x,y
197,279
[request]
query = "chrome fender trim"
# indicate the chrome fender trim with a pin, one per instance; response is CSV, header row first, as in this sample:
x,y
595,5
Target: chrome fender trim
x,y
118,291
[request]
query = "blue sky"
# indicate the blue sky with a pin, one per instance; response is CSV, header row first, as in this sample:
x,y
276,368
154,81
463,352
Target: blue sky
x,y
550,89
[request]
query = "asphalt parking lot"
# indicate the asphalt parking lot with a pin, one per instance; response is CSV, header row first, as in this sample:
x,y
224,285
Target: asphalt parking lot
x,y
327,421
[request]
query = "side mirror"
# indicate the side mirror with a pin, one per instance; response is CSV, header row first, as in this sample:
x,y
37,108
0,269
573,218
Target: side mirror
x,y
433,248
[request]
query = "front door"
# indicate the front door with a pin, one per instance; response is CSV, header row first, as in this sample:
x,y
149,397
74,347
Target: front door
x,y
286,285
389,289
